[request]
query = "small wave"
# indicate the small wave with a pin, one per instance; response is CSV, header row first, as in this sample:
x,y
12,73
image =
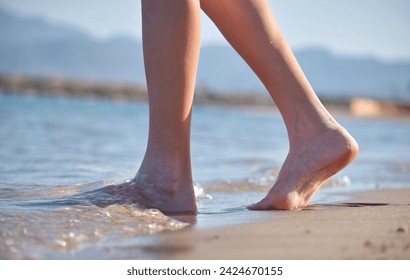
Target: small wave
x,y
49,222
36,233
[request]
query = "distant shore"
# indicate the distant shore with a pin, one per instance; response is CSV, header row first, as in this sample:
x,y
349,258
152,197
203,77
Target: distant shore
x,y
14,84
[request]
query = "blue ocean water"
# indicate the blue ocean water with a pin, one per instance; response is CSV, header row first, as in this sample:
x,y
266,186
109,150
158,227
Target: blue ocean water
x,y
53,147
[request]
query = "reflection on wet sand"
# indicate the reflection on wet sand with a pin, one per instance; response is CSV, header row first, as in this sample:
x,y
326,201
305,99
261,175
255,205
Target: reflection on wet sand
x,y
319,206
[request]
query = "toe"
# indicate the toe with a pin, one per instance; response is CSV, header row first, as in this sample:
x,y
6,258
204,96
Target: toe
x,y
261,205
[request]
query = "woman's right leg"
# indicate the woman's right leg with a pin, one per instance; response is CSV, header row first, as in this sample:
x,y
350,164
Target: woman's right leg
x,y
171,43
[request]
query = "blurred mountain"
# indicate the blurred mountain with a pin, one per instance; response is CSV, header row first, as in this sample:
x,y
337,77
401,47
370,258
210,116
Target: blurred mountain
x,y
330,75
36,47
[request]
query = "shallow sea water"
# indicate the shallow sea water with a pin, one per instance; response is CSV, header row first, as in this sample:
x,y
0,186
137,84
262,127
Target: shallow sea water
x,y
53,151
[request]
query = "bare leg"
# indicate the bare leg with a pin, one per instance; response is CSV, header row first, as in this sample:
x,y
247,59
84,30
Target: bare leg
x,y
171,42
319,146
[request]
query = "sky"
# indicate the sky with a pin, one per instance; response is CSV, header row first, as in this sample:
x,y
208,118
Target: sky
x,y
379,28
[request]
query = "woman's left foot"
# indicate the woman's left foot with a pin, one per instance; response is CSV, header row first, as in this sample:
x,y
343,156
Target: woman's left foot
x,y
307,167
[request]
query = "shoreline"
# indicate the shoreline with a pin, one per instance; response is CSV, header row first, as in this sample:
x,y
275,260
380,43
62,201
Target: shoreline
x,y
42,86
373,225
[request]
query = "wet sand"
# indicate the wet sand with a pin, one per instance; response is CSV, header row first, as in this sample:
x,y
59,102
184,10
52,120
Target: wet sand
x,y
372,225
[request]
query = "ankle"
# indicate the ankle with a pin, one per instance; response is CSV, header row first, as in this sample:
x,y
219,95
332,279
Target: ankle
x,y
173,163
308,123
168,184
169,174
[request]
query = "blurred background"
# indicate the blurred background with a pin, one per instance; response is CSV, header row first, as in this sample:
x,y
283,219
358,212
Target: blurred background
x,y
74,117
346,48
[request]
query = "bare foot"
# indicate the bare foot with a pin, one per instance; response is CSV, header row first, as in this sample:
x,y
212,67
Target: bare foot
x,y
165,194
308,165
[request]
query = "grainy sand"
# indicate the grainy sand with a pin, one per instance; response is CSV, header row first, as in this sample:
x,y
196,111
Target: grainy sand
x,y
373,225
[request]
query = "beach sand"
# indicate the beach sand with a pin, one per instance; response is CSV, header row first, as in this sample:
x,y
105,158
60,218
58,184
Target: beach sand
x,y
372,225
